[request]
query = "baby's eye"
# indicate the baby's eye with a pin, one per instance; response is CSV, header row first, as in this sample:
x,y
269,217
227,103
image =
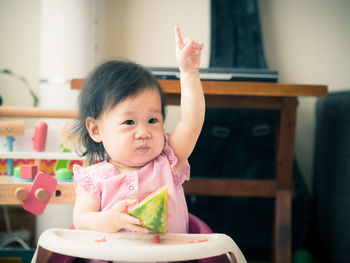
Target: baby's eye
x,y
129,122
153,120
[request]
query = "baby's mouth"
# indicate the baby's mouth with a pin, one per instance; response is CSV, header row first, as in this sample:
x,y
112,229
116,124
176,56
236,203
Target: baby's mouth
x,y
143,148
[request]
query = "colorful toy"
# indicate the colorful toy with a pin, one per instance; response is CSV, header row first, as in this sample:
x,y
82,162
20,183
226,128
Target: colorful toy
x,y
10,129
62,163
21,193
28,171
39,139
153,211
17,171
9,143
39,193
63,174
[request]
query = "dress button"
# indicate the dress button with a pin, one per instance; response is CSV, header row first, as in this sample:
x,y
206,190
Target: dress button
x,y
131,187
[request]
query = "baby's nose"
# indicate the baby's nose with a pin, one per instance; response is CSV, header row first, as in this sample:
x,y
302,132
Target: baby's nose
x,y
142,132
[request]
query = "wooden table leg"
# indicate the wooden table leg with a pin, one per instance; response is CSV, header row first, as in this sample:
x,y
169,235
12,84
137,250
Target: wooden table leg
x,y
282,238
283,231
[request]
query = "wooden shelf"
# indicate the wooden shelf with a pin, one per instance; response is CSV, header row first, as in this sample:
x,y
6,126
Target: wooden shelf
x,y
64,193
40,155
240,88
237,88
30,112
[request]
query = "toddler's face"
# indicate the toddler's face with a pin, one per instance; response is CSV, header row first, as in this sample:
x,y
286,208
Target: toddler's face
x,y
132,131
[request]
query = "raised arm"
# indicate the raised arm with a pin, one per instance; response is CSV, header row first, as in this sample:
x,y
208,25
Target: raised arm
x,y
186,132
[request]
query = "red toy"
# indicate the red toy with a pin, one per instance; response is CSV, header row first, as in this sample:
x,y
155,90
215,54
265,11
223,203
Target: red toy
x,y
39,139
39,193
28,171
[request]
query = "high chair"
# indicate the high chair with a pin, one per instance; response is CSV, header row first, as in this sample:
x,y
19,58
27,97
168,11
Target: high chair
x,y
64,245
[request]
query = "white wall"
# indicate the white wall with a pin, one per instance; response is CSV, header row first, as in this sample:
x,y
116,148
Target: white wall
x,y
143,31
308,42
19,49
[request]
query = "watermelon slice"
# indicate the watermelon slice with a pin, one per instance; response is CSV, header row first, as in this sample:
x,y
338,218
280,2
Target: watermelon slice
x,y
152,211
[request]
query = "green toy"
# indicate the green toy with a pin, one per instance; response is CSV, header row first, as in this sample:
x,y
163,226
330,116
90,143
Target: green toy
x,y
63,174
62,163
17,171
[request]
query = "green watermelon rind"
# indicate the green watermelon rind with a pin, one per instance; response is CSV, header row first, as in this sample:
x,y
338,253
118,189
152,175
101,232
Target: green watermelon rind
x,y
155,221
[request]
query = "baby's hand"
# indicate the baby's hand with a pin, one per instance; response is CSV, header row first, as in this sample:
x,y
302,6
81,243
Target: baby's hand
x,y
122,219
188,52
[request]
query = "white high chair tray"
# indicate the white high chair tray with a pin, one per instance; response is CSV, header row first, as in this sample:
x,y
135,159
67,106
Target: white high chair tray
x,y
136,247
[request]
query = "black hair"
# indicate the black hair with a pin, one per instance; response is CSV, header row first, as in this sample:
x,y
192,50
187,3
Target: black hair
x,y
109,84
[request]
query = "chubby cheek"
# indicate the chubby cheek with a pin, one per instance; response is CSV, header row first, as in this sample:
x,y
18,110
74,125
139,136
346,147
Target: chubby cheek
x,y
160,142
116,146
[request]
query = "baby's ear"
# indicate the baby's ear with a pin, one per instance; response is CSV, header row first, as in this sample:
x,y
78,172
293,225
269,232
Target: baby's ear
x,y
94,129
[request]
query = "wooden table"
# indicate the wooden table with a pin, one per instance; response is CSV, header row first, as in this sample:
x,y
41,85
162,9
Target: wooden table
x,y
227,94
272,96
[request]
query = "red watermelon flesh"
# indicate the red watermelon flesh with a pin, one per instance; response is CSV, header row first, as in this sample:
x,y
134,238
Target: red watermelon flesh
x,y
152,211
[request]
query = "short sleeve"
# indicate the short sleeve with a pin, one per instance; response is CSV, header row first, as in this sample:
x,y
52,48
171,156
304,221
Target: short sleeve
x,y
83,178
183,174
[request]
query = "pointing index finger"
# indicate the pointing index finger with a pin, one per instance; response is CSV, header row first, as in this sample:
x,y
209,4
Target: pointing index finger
x,y
178,37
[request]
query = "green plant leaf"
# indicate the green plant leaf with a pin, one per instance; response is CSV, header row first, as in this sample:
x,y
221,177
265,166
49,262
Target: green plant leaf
x,y
25,82
7,71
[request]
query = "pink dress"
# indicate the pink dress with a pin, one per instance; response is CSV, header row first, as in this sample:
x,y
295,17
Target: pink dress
x,y
107,186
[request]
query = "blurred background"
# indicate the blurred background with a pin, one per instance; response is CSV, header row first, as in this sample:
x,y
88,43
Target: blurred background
x,y
50,42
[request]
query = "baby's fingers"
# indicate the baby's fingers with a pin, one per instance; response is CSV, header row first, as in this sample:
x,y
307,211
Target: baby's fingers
x,y
188,46
138,229
128,219
197,47
122,206
201,45
133,223
178,37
